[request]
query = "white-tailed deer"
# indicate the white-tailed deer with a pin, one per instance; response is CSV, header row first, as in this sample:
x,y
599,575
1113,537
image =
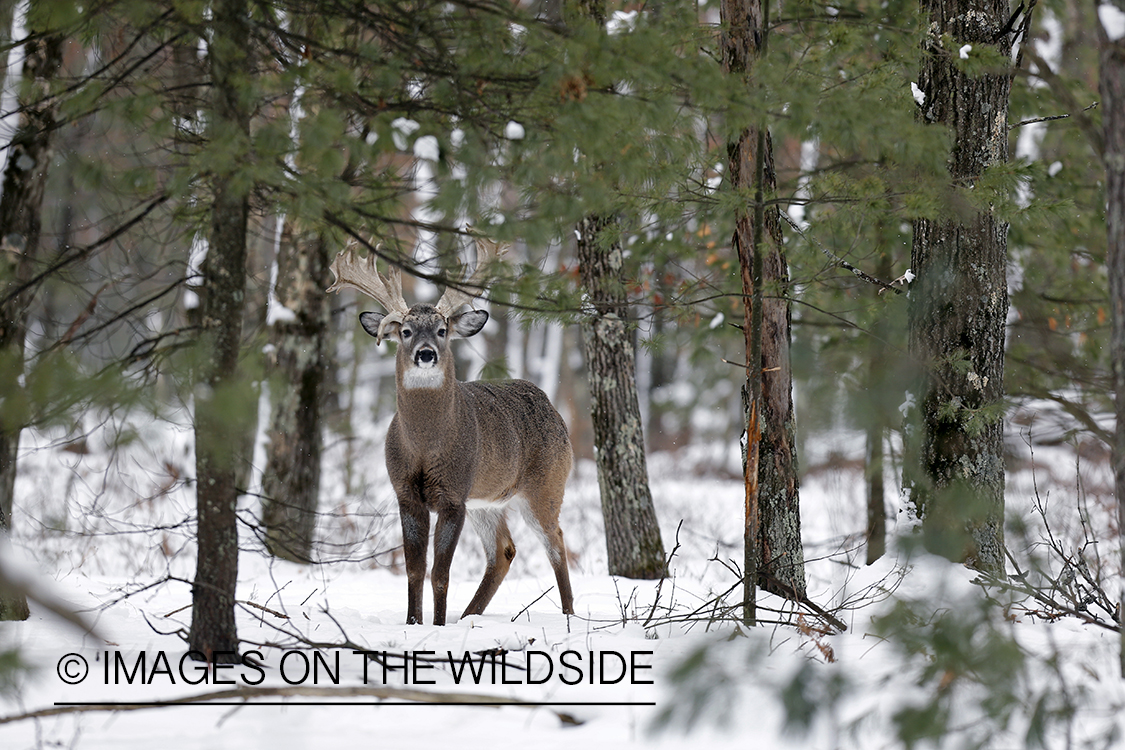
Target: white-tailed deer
x,y
459,448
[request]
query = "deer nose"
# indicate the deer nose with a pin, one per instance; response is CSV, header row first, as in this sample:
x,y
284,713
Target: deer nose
x,y
425,357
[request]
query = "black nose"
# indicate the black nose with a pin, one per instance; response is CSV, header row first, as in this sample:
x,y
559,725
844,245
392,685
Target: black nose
x,y
425,357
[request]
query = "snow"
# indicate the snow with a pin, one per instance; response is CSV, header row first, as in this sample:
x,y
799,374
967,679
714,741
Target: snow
x,y
621,22
403,127
199,248
110,541
513,131
427,147
907,404
1113,21
810,156
963,53
278,313
918,94
9,89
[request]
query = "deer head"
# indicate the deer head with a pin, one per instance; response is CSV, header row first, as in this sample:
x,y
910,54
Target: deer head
x,y
360,274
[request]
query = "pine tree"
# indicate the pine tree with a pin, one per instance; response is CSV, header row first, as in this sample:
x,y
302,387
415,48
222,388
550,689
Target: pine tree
x,y
633,542
1112,85
959,300
25,179
632,533
774,553
219,390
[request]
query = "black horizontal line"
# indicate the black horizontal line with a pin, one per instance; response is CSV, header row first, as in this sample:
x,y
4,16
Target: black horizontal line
x,y
251,701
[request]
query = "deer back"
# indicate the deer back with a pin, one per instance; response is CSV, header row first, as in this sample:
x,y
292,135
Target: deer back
x,y
522,441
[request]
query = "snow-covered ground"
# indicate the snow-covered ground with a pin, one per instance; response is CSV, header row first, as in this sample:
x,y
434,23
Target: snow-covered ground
x,y
641,663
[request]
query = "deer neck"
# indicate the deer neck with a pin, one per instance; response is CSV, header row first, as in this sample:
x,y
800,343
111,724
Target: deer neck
x,y
427,397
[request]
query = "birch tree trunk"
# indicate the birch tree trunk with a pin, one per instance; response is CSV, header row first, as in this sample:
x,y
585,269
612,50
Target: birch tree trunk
x,y
25,177
298,359
1112,86
219,422
771,475
959,301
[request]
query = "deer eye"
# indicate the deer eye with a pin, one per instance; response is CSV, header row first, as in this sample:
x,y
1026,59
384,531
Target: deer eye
x,y
405,333
441,333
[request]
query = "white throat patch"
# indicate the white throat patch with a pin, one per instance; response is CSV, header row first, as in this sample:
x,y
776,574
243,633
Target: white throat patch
x,y
423,377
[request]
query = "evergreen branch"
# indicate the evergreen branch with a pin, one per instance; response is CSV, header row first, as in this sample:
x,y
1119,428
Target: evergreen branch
x,y
1062,92
1077,411
87,250
859,273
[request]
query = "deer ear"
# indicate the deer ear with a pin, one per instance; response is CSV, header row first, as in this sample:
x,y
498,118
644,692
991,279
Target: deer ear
x,y
469,323
370,322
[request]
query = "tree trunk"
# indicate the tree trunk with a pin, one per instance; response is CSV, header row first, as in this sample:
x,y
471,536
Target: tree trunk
x,y
298,360
959,302
1112,85
632,534
877,422
771,478
219,422
25,177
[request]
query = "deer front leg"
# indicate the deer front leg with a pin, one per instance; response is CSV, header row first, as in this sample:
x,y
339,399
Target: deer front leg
x,y
451,517
415,537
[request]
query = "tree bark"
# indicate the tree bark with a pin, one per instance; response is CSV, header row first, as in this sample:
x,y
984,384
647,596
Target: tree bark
x,y
219,393
632,533
1112,85
298,360
877,422
959,302
25,177
771,478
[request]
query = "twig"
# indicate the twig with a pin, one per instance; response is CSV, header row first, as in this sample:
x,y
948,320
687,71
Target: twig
x,y
858,272
265,609
529,606
667,566
1049,118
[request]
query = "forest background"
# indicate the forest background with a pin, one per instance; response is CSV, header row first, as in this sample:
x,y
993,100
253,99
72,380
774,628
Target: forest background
x,y
143,135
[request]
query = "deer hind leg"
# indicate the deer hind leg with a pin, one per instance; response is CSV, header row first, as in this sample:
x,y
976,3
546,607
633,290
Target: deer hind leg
x,y
542,515
499,550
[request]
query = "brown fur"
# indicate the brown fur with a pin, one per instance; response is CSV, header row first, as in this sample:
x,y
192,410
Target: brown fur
x,y
492,442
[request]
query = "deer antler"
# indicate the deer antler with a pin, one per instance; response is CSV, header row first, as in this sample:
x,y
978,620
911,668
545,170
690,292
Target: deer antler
x,y
487,251
361,274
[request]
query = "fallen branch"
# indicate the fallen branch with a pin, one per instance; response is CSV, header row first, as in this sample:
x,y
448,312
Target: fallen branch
x,y
244,695
790,593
